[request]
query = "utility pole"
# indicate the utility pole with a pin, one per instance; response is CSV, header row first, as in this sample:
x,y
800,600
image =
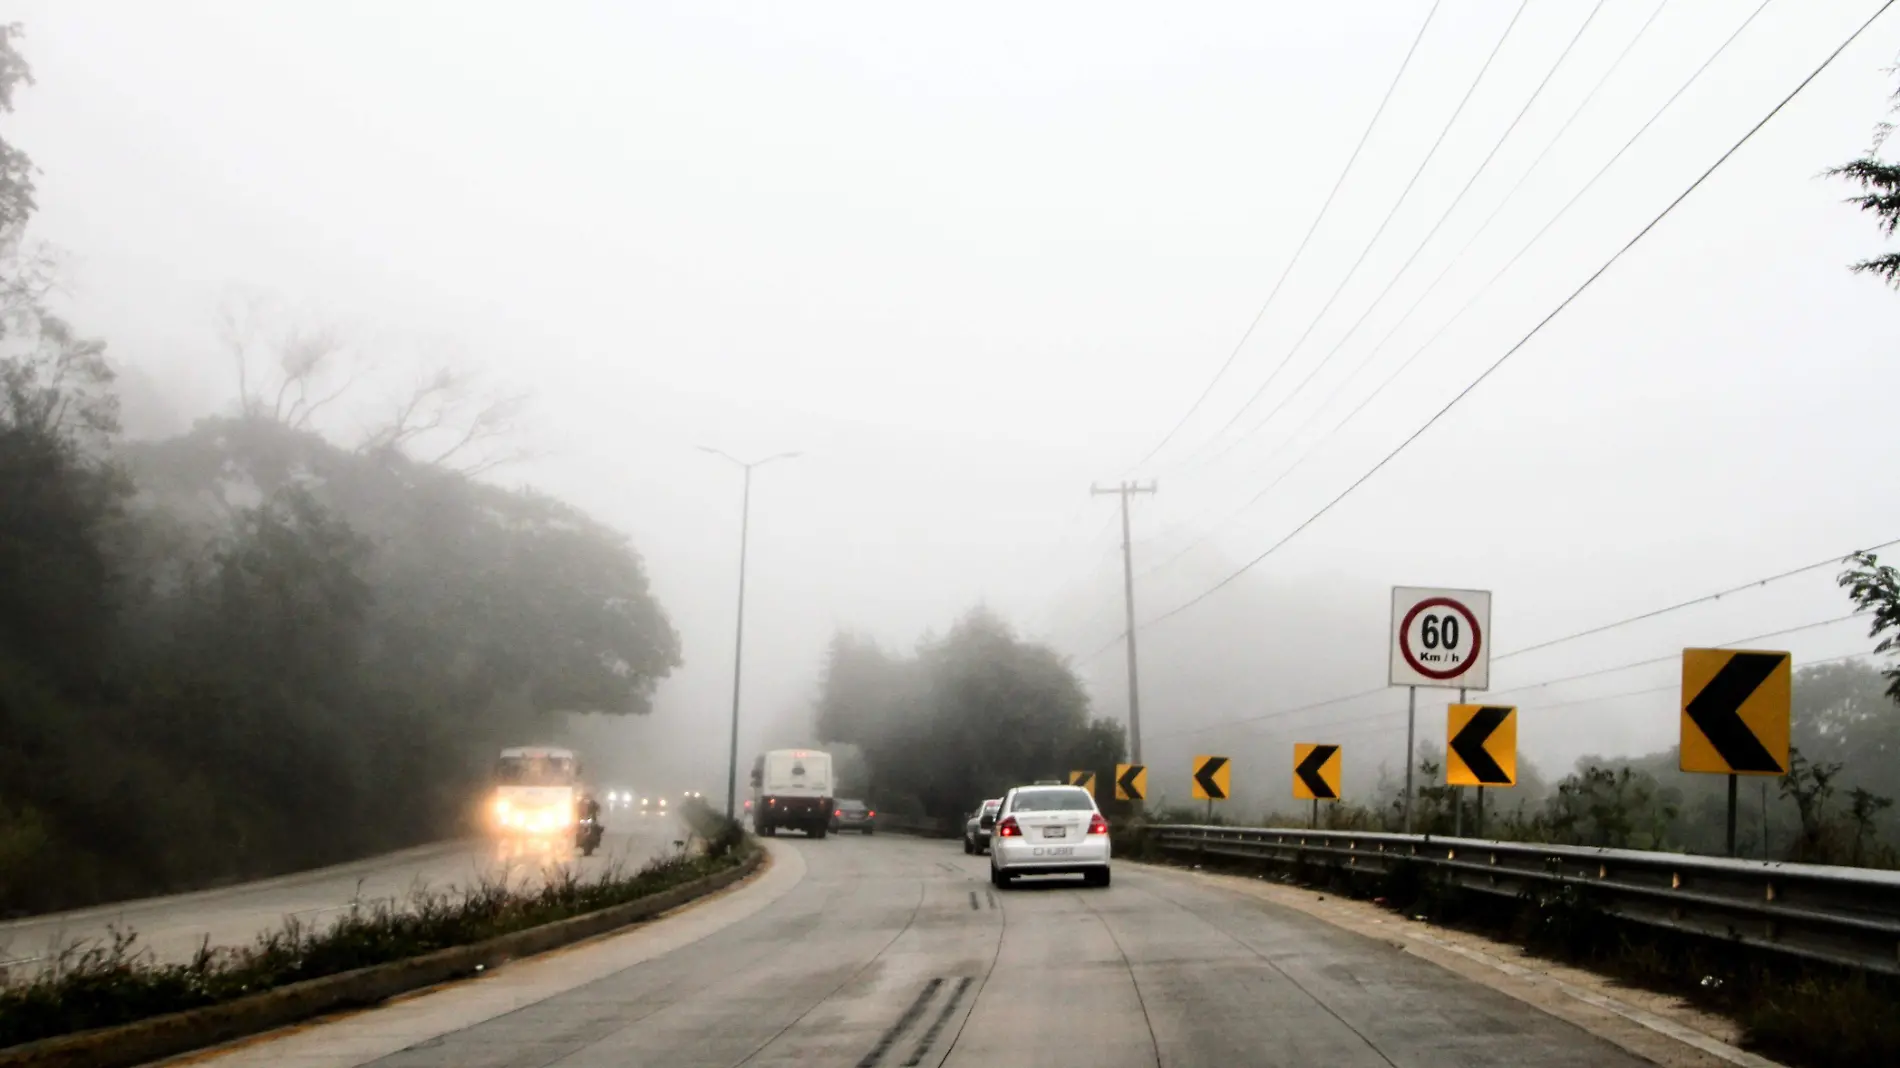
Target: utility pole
x,y
1124,491
738,638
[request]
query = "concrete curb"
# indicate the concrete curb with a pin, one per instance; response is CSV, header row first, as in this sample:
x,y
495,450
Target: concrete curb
x,y
143,1041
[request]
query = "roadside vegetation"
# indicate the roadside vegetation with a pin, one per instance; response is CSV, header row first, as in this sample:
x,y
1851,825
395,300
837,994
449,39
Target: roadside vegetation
x,y
117,981
1833,807
269,640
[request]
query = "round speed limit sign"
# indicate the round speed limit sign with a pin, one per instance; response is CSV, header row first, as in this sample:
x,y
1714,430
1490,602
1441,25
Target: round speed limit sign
x,y
1441,638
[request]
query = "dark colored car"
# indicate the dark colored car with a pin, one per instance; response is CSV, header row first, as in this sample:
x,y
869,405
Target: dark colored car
x,y
976,831
853,816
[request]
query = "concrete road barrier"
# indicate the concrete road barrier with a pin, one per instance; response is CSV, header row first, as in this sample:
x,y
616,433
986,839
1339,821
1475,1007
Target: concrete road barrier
x,y
142,1041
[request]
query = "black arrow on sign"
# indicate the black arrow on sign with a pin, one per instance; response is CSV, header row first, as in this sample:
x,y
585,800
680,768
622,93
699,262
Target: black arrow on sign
x,y
1469,745
1308,771
1205,776
1128,784
1716,711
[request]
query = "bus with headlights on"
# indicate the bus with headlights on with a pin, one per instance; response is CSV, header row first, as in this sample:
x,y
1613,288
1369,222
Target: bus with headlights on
x,y
537,792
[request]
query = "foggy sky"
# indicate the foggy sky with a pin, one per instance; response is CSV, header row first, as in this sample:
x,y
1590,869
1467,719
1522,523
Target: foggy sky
x,y
970,260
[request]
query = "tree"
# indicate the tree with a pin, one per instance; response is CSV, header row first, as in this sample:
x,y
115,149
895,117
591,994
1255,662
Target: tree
x,y
1875,588
247,648
967,716
1879,182
293,368
16,167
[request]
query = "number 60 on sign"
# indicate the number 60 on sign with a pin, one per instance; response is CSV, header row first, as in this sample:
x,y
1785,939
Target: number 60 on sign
x,y
1441,638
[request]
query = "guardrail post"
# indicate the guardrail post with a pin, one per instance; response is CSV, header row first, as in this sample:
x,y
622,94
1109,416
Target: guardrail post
x,y
1732,780
1846,916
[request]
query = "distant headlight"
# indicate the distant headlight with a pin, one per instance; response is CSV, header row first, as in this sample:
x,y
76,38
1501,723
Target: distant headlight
x,y
662,802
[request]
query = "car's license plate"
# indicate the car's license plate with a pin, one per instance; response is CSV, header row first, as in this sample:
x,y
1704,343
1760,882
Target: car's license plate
x,y
1059,851
1055,832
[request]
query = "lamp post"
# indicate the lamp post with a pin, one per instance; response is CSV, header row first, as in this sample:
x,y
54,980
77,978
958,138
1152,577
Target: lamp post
x,y
738,639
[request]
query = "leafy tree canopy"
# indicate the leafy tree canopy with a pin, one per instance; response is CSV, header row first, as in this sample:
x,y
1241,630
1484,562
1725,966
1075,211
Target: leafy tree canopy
x,y
963,718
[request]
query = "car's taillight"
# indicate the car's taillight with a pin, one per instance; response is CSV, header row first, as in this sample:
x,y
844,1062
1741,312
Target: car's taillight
x,y
871,813
1008,828
1098,825
837,812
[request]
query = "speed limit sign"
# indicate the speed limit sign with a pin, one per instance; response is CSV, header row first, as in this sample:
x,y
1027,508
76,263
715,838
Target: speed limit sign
x,y
1441,638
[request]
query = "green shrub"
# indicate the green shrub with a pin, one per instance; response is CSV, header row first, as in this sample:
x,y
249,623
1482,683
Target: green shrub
x,y
116,981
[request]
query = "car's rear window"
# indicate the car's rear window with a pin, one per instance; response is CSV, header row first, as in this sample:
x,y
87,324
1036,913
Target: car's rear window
x,y
1052,800
851,806
990,807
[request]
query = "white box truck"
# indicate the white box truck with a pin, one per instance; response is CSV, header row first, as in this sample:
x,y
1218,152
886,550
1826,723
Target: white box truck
x,y
792,788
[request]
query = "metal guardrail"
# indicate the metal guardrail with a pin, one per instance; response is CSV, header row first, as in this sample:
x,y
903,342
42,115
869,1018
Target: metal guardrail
x,y
1837,915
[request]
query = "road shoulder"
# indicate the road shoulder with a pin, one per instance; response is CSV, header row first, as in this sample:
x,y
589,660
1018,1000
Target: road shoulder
x,y
1661,1029
350,1039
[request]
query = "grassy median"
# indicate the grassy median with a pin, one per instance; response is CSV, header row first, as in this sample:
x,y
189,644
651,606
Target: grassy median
x,y
118,982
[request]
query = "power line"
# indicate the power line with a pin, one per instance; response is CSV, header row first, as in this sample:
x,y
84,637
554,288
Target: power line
x,y
1381,718
1674,687
1601,628
1458,258
1588,632
1282,713
1297,252
1535,330
1392,213
1816,625
1445,216
1832,561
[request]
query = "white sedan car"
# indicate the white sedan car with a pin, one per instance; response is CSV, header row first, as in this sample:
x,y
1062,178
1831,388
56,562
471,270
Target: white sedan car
x,y
1049,830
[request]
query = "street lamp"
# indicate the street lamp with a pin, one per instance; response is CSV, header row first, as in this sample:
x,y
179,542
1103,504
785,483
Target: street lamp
x,y
738,639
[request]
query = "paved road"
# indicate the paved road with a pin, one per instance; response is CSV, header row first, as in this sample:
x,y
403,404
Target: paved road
x,y
174,927
896,952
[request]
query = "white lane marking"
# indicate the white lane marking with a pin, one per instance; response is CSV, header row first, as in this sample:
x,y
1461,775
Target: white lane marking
x,y
362,1038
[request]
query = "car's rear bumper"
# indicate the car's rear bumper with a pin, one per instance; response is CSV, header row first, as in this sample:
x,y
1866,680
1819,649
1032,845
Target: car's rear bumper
x,y
1017,855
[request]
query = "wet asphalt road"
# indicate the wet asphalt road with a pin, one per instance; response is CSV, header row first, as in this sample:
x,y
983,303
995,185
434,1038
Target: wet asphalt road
x,y
892,951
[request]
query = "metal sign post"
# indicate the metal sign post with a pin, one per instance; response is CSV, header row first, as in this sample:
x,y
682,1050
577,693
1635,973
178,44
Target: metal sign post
x,y
1411,747
1457,793
1439,638
1735,716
